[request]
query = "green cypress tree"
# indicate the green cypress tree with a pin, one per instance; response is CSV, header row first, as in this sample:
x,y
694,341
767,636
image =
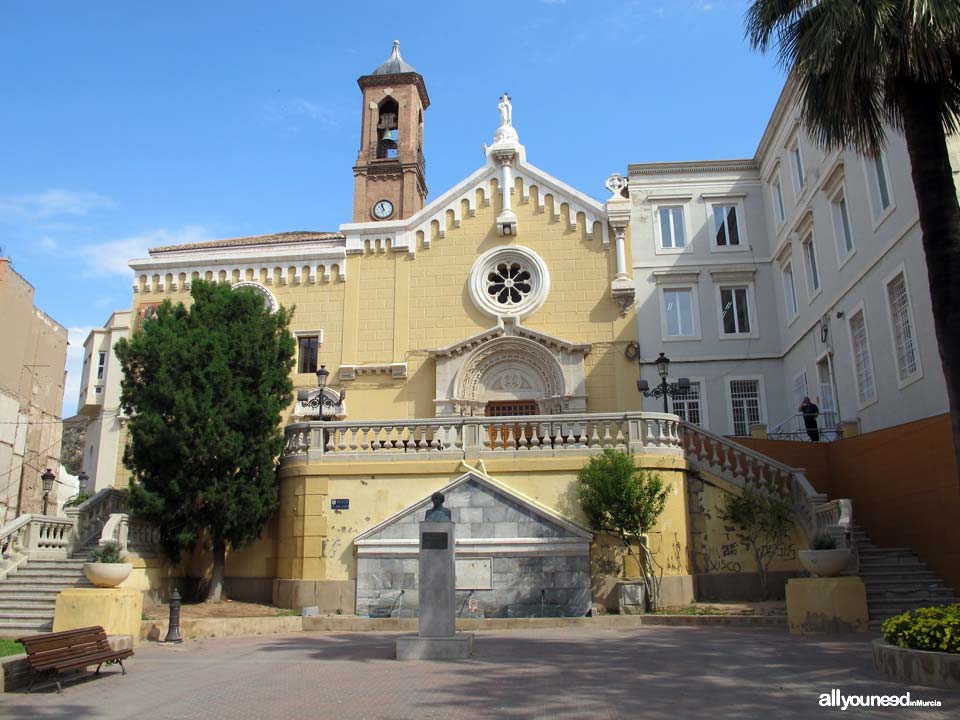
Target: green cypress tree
x,y
205,387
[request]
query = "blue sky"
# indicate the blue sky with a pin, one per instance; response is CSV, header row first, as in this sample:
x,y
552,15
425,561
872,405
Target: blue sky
x,y
126,125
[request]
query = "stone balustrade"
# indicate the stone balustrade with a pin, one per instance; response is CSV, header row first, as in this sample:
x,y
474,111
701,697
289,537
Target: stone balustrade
x,y
744,468
477,436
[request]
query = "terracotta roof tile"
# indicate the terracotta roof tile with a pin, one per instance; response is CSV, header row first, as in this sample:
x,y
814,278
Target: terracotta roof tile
x,y
285,238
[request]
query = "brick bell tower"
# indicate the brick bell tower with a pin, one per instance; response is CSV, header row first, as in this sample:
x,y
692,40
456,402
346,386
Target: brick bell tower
x,y
389,177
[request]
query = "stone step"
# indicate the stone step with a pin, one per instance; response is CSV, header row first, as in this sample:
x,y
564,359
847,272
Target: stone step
x,y
932,596
76,568
908,575
27,603
69,573
895,607
11,628
18,579
883,585
28,613
10,592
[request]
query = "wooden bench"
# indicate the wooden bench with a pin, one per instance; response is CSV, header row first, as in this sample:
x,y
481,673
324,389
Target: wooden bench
x,y
54,653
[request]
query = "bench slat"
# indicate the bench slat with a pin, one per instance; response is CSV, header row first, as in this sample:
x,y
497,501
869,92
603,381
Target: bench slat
x,y
83,661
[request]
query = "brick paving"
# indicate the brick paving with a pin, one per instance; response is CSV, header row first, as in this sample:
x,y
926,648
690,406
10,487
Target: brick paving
x,y
668,673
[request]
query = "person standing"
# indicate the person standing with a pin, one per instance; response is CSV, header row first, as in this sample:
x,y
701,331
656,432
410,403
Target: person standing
x,y
810,414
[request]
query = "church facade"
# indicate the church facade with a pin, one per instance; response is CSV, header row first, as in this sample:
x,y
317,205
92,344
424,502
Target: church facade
x,y
484,342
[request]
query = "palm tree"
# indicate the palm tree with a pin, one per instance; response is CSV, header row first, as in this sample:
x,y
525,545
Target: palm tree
x,y
862,65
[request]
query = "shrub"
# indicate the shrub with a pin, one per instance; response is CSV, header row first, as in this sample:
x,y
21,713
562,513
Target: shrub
x,y
822,541
109,552
930,628
77,500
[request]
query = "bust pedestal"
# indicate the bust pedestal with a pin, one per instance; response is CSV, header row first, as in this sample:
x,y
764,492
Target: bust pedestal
x,y
437,638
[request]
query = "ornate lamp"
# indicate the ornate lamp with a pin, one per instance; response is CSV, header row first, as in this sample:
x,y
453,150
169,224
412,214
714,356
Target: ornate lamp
x,y
322,376
664,389
83,480
48,477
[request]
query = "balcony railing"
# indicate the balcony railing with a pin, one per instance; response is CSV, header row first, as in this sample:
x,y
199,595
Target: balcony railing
x,y
462,437
795,428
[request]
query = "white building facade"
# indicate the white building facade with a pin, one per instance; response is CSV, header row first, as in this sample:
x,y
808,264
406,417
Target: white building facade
x,y
795,273
100,401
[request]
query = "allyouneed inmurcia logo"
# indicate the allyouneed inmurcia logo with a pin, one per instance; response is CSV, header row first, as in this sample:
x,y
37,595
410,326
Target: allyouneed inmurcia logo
x,y
836,699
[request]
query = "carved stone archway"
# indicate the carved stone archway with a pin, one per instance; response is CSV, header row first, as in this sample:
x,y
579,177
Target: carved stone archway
x,y
514,363
511,368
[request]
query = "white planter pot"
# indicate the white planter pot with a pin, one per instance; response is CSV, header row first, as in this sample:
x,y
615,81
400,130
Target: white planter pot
x,y
825,563
107,575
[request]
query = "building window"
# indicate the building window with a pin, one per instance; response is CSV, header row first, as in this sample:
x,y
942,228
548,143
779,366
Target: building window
x,y
745,405
841,227
309,346
688,405
672,232
825,387
726,226
904,337
778,207
734,310
678,312
796,160
879,185
789,290
862,362
101,365
799,389
810,263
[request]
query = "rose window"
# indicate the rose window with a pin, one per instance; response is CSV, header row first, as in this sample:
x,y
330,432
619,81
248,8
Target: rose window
x,y
508,283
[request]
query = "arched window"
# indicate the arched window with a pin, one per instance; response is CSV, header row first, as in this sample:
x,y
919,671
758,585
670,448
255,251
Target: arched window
x,y
387,139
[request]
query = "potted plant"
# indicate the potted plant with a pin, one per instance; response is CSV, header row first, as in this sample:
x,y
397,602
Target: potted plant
x,y
824,558
106,567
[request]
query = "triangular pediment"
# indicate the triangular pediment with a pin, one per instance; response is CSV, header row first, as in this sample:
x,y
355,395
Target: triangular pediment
x,y
511,327
478,504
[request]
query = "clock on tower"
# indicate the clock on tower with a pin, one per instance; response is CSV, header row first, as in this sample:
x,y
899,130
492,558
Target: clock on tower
x,y
389,177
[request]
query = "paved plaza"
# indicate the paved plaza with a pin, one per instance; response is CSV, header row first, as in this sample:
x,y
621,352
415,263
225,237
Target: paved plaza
x,y
669,673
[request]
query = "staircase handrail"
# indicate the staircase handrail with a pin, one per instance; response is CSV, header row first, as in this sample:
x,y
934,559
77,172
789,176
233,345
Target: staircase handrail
x,y
744,467
92,514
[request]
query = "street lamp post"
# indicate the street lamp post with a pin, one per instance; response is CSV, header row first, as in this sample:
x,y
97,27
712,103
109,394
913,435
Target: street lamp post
x,y
48,477
664,389
82,481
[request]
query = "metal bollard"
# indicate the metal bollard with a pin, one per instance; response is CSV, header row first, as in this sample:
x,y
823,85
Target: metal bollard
x,y
173,626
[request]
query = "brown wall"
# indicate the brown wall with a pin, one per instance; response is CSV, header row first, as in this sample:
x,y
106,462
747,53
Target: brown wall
x,y
903,482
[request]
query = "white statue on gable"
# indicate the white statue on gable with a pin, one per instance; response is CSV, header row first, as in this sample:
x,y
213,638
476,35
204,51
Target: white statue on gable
x,y
505,133
506,110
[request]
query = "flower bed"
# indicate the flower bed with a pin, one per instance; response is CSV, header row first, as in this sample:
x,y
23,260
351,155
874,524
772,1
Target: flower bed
x,y
936,629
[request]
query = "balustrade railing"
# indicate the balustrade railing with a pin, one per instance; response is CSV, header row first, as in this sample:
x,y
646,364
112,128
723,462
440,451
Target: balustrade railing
x,y
744,468
93,514
133,535
460,437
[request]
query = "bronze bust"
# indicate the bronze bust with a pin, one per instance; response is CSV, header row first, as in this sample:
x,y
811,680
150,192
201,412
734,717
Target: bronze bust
x,y
438,513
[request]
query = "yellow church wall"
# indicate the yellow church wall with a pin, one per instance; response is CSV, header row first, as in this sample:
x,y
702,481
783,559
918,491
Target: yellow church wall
x,y
316,543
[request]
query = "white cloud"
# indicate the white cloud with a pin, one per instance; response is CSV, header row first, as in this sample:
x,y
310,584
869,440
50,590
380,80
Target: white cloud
x,y
51,203
48,244
71,388
300,108
112,257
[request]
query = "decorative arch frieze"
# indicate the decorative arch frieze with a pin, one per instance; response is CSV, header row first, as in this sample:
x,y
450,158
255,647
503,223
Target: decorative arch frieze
x,y
269,300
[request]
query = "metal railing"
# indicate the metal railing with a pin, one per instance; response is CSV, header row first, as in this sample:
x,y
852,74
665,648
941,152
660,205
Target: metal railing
x,y
795,428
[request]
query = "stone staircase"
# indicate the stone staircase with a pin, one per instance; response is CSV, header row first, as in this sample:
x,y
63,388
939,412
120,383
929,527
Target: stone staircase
x,y
28,596
896,580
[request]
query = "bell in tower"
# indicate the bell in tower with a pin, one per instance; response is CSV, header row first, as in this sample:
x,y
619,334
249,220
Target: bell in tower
x,y
389,177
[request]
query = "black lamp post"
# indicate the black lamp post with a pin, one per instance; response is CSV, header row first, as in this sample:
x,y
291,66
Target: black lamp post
x,y
664,389
320,400
48,477
82,480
